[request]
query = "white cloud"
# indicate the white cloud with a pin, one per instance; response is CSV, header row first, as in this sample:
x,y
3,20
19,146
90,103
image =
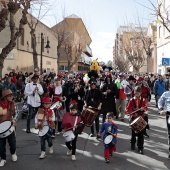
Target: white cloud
x,y
102,45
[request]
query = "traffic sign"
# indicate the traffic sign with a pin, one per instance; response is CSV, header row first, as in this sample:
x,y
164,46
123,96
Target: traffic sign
x,y
165,61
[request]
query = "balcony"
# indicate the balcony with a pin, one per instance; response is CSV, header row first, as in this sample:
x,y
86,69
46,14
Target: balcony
x,y
85,59
88,51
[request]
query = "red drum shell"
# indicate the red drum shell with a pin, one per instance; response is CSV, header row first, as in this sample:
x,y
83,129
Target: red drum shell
x,y
138,124
88,116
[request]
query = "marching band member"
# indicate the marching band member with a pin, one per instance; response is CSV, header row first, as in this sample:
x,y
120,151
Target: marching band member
x,y
109,128
58,92
44,117
145,93
72,121
7,111
33,90
137,102
94,98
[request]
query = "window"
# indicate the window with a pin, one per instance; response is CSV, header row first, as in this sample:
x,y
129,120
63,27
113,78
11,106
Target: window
x,y
22,38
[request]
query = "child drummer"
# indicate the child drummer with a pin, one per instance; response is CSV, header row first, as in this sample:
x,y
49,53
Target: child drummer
x,y
72,121
140,104
109,128
44,117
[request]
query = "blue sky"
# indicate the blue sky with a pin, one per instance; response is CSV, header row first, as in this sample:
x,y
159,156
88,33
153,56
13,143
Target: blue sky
x,y
102,18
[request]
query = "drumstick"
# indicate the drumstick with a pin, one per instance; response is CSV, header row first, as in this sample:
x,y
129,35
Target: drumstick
x,y
71,127
135,111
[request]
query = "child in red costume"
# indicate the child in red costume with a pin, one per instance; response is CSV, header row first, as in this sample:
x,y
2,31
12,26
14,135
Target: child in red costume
x,y
45,117
110,131
136,103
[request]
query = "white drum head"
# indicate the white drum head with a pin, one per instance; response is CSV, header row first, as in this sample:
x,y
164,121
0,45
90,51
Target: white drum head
x,y
135,121
4,126
43,131
108,139
67,133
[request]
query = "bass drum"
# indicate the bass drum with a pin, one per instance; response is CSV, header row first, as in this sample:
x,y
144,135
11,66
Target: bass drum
x,y
6,129
88,116
138,124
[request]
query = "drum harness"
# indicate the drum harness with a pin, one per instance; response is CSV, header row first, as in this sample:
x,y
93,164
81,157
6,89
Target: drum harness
x,y
138,109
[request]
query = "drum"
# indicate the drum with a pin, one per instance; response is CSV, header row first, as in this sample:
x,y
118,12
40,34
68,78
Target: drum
x,y
109,141
69,136
88,116
6,129
138,124
46,132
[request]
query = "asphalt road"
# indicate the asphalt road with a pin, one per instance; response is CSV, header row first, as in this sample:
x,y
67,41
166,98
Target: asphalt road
x,y
90,151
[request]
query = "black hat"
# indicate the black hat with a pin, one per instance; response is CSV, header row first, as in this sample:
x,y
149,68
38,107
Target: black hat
x,y
93,73
35,76
131,78
138,89
92,81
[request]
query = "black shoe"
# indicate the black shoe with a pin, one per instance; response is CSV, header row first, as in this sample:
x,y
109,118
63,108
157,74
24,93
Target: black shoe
x,y
169,156
117,117
146,135
28,131
122,120
110,154
98,138
132,147
148,127
107,160
140,151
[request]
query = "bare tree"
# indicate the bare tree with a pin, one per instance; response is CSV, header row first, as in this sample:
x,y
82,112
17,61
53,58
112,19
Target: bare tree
x,y
13,6
72,51
37,13
121,64
135,53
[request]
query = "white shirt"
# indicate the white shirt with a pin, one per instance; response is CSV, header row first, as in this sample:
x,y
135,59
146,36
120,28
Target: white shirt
x,y
33,100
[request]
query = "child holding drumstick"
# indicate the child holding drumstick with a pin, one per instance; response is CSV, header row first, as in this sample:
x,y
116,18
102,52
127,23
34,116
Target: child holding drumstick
x,y
110,133
140,104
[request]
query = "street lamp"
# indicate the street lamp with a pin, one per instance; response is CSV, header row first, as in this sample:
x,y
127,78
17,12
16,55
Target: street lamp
x,y
42,48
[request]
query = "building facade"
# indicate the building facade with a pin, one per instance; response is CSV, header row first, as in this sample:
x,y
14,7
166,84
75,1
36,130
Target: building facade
x,y
21,57
75,38
125,36
163,39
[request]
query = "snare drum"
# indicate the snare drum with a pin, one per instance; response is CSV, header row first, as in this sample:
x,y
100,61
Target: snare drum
x,y
138,124
69,136
109,141
88,116
46,132
6,129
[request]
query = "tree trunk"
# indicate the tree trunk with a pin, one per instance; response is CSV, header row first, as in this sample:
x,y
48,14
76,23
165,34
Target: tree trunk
x,y
34,44
58,59
148,64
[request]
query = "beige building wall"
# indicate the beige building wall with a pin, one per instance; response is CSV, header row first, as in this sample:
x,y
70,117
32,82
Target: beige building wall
x,y
20,58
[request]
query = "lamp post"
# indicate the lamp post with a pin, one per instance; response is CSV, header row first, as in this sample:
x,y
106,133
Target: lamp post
x,y
42,50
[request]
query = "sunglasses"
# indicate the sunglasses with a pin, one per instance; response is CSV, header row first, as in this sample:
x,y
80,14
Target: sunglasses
x,y
93,83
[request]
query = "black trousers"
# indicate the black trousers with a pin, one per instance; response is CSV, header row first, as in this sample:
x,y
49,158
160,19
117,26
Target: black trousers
x,y
168,128
31,111
140,140
96,124
72,144
12,144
